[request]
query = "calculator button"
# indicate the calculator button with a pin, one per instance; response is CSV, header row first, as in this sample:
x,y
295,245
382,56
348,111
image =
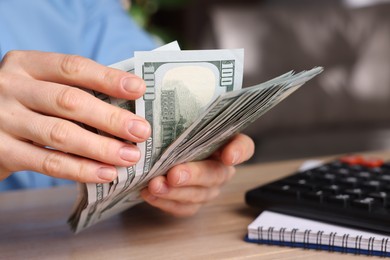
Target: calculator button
x,y
355,193
373,185
377,170
384,177
367,203
315,196
381,196
335,164
327,178
334,189
306,175
363,175
340,199
348,182
300,184
322,169
283,189
357,168
343,172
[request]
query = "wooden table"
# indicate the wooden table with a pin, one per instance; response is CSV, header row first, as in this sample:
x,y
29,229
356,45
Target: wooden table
x,y
33,226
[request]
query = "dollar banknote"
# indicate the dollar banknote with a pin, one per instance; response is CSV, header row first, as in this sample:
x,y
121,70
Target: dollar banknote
x,y
228,115
179,86
92,195
194,103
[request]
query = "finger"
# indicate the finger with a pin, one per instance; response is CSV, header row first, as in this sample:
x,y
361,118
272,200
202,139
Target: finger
x,y
70,138
75,70
75,104
240,149
159,187
207,173
4,173
53,163
172,207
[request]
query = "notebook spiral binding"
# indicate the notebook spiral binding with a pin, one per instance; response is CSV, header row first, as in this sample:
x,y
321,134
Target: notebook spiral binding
x,y
320,240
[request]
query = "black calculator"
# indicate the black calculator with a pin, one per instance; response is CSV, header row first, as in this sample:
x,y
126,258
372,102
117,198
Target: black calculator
x,y
351,191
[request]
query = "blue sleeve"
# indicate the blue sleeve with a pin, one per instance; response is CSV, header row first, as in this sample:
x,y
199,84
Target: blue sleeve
x,y
114,35
30,180
101,30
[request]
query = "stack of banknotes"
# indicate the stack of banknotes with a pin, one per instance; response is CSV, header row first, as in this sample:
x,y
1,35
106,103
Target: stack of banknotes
x,y
194,102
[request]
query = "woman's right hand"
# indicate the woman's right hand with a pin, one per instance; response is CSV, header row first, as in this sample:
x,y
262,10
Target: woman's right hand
x,y
39,106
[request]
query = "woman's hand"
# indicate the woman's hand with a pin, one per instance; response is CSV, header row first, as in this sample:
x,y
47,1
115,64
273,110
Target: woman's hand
x,y
39,107
39,114
187,186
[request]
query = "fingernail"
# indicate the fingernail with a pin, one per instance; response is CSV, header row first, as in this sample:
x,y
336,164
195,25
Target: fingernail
x,y
106,173
132,84
129,154
162,189
236,157
139,129
183,177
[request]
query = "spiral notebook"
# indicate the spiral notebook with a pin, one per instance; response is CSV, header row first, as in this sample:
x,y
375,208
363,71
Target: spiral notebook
x,y
284,230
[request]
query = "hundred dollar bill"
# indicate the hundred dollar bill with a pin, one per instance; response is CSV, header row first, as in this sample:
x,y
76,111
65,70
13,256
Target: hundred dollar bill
x,y
179,87
185,82
223,118
189,121
90,195
219,122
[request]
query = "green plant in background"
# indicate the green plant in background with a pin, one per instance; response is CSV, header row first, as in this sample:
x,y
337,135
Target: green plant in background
x,y
143,12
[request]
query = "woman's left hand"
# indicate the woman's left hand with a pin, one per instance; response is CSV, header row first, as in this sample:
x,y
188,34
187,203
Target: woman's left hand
x,y
189,185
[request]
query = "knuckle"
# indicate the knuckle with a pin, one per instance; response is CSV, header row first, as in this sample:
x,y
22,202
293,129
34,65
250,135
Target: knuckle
x,y
196,198
4,150
58,134
213,194
12,56
114,118
221,177
79,174
7,163
109,76
4,169
218,176
4,82
69,99
175,209
209,194
52,164
202,198
72,64
104,150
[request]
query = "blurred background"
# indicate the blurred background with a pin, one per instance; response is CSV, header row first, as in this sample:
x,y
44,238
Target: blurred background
x,y
344,110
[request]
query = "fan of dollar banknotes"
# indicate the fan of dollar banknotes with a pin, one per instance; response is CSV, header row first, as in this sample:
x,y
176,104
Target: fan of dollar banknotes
x,y
194,102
